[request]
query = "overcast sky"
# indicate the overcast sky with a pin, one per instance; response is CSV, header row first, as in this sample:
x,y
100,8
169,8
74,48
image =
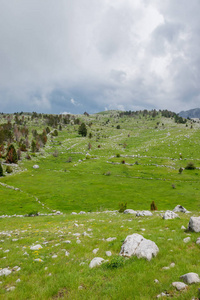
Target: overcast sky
x,y
94,55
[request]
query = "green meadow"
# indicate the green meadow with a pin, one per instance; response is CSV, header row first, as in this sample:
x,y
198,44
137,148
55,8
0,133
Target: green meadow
x,y
135,164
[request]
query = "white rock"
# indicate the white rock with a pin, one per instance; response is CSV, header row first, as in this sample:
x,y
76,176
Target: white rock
x,y
144,213
10,289
38,259
82,212
130,211
78,241
179,285
190,278
67,242
137,245
110,239
194,224
18,280
5,272
35,167
156,280
165,268
198,241
172,265
36,247
97,261
187,239
95,250
183,227
180,208
54,256
170,215
108,253
73,213
66,253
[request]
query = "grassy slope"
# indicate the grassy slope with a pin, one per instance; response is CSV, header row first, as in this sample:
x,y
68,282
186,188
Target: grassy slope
x,y
82,185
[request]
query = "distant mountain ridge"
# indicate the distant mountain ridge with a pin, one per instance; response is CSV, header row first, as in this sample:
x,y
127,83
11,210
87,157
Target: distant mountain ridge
x,y
192,113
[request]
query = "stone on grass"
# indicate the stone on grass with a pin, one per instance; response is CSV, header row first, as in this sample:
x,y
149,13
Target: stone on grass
x,y
130,211
180,208
137,245
97,261
36,247
187,239
179,285
190,278
95,250
38,259
110,239
108,253
73,213
67,242
168,215
66,253
5,272
82,212
10,289
183,227
35,167
198,241
54,256
156,280
144,213
194,224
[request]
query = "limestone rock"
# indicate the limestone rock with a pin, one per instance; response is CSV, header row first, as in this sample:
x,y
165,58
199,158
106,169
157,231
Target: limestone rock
x,y
180,208
187,239
144,213
198,241
130,211
5,272
110,239
36,247
170,215
190,278
97,261
194,224
179,285
35,167
108,253
137,245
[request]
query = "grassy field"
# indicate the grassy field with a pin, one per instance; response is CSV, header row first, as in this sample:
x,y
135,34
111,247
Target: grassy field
x,y
136,164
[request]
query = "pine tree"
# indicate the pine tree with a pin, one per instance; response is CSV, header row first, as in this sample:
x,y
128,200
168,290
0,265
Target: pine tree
x,y
82,129
1,170
11,156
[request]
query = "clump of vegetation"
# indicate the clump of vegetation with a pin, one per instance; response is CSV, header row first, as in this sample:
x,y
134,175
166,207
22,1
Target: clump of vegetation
x,y
28,156
190,166
55,153
69,160
117,155
9,169
1,170
116,262
153,206
180,170
122,207
82,130
107,173
11,156
173,186
118,127
123,161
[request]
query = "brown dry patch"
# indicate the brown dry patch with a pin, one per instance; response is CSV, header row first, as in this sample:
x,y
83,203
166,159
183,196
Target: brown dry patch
x,y
62,294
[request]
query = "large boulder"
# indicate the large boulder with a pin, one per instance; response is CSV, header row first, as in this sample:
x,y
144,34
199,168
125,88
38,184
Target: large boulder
x,y
137,245
194,224
190,278
170,215
180,208
144,213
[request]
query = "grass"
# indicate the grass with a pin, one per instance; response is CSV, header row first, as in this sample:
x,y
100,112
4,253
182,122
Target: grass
x,y
82,185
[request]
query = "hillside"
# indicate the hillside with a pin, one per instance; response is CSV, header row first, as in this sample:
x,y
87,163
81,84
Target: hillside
x,y
192,113
74,185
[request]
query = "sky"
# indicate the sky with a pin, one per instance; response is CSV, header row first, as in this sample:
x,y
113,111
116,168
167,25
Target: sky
x,y
72,56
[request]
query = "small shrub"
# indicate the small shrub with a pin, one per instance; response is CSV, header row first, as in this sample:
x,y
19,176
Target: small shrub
x,y
118,127
28,156
136,163
107,173
55,153
180,170
69,159
115,262
153,206
123,162
117,155
9,169
122,207
1,170
190,166
173,186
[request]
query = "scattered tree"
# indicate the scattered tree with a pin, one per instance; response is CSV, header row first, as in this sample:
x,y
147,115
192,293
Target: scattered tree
x,y
11,156
82,130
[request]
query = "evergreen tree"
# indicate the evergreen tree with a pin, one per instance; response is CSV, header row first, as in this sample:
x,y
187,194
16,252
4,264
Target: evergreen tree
x,y
82,130
1,170
11,156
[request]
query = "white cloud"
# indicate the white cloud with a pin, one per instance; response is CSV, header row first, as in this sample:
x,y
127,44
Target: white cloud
x,y
108,53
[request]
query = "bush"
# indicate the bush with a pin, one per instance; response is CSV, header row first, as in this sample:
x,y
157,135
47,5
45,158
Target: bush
x,y
117,155
9,169
118,127
190,166
153,206
123,161
82,130
122,207
11,156
1,170
180,170
115,262
69,160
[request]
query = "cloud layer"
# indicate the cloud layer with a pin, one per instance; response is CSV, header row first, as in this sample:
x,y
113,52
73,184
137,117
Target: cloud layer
x,y
78,56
